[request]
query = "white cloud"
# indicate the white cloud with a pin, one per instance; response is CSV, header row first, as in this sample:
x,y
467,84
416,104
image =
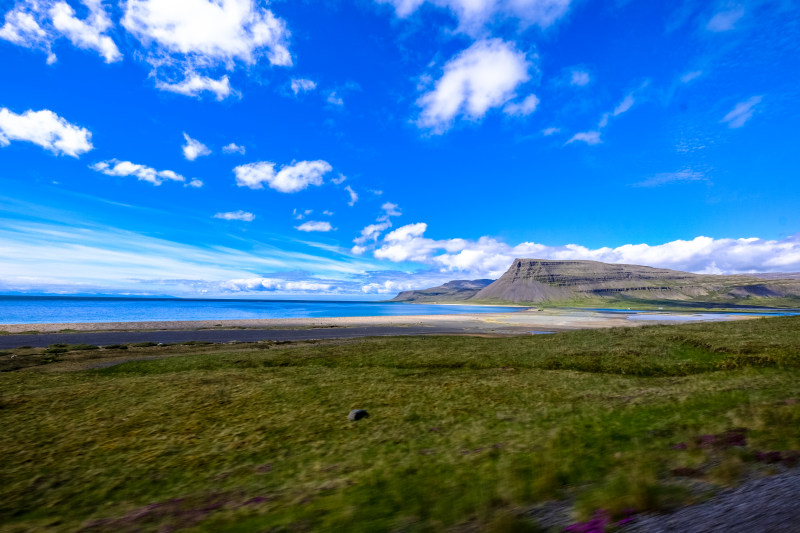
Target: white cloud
x,y
115,167
37,24
372,232
339,179
196,183
195,85
672,177
625,105
315,225
274,285
22,27
291,178
522,109
550,131
579,78
328,213
46,129
489,257
301,85
89,33
689,76
483,76
589,137
334,99
194,148
725,20
206,32
244,216
390,210
233,148
187,42
741,112
353,196
473,15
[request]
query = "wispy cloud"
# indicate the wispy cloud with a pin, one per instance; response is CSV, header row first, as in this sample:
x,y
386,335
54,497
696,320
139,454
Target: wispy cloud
x,y
243,216
353,195
301,85
115,167
666,178
741,112
588,137
315,225
725,20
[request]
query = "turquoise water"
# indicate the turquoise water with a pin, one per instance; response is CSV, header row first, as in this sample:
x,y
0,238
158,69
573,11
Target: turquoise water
x,y
43,310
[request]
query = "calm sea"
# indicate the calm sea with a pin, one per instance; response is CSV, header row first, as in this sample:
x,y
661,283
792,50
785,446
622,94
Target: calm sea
x,y
45,309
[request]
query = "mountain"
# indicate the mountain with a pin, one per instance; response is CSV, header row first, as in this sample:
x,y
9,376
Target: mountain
x,y
533,281
452,291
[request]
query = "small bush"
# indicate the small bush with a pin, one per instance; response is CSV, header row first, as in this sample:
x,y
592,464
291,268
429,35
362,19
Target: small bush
x,y
116,347
144,344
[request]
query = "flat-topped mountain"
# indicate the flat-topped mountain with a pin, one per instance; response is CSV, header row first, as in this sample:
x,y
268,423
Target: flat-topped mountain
x,y
452,291
533,281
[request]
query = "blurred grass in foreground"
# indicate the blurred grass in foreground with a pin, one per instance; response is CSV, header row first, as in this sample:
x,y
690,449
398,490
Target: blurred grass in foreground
x,y
463,432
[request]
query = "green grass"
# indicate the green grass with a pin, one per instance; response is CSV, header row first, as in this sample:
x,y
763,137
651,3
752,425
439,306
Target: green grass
x,y
463,432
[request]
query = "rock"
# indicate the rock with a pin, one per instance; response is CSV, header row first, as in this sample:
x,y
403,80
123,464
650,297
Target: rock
x,y
357,414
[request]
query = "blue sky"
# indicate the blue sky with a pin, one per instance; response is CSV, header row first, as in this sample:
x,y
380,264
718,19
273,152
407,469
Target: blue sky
x,y
351,149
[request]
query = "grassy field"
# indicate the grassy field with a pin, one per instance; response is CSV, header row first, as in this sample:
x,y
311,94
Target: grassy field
x,y
464,433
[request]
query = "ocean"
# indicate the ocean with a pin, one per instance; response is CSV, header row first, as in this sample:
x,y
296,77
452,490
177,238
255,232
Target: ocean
x,y
47,309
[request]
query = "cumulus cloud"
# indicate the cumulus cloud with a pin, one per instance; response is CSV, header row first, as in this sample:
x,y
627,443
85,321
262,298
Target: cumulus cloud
x,y
301,85
672,177
339,179
46,129
389,210
489,257
194,148
353,196
196,183
115,167
233,148
523,108
37,24
193,38
194,85
741,112
588,137
244,216
725,20
89,33
484,76
473,15
315,225
291,178
547,132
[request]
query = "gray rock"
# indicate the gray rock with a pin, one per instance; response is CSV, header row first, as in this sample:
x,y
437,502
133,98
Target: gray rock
x,y
357,414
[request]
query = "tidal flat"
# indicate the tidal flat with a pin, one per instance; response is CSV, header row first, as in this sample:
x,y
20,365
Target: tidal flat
x,y
516,433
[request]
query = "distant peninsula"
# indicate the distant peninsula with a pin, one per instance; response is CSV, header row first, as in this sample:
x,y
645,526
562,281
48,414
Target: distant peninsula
x,y
585,283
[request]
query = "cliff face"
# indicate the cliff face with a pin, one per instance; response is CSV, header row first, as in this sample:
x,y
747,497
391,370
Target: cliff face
x,y
452,291
541,280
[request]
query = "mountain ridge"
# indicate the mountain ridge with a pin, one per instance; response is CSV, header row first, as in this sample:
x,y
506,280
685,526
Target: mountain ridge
x,y
537,281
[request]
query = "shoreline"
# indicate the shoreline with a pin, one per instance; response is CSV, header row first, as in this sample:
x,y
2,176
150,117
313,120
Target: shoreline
x,y
510,322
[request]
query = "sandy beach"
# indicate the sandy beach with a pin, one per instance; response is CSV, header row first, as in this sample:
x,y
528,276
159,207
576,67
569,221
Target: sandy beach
x,y
477,323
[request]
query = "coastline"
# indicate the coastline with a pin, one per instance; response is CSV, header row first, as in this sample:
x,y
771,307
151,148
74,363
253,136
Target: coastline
x,y
511,322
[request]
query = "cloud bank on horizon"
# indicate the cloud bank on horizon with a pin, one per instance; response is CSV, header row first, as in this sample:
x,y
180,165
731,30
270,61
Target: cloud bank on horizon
x,y
199,147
